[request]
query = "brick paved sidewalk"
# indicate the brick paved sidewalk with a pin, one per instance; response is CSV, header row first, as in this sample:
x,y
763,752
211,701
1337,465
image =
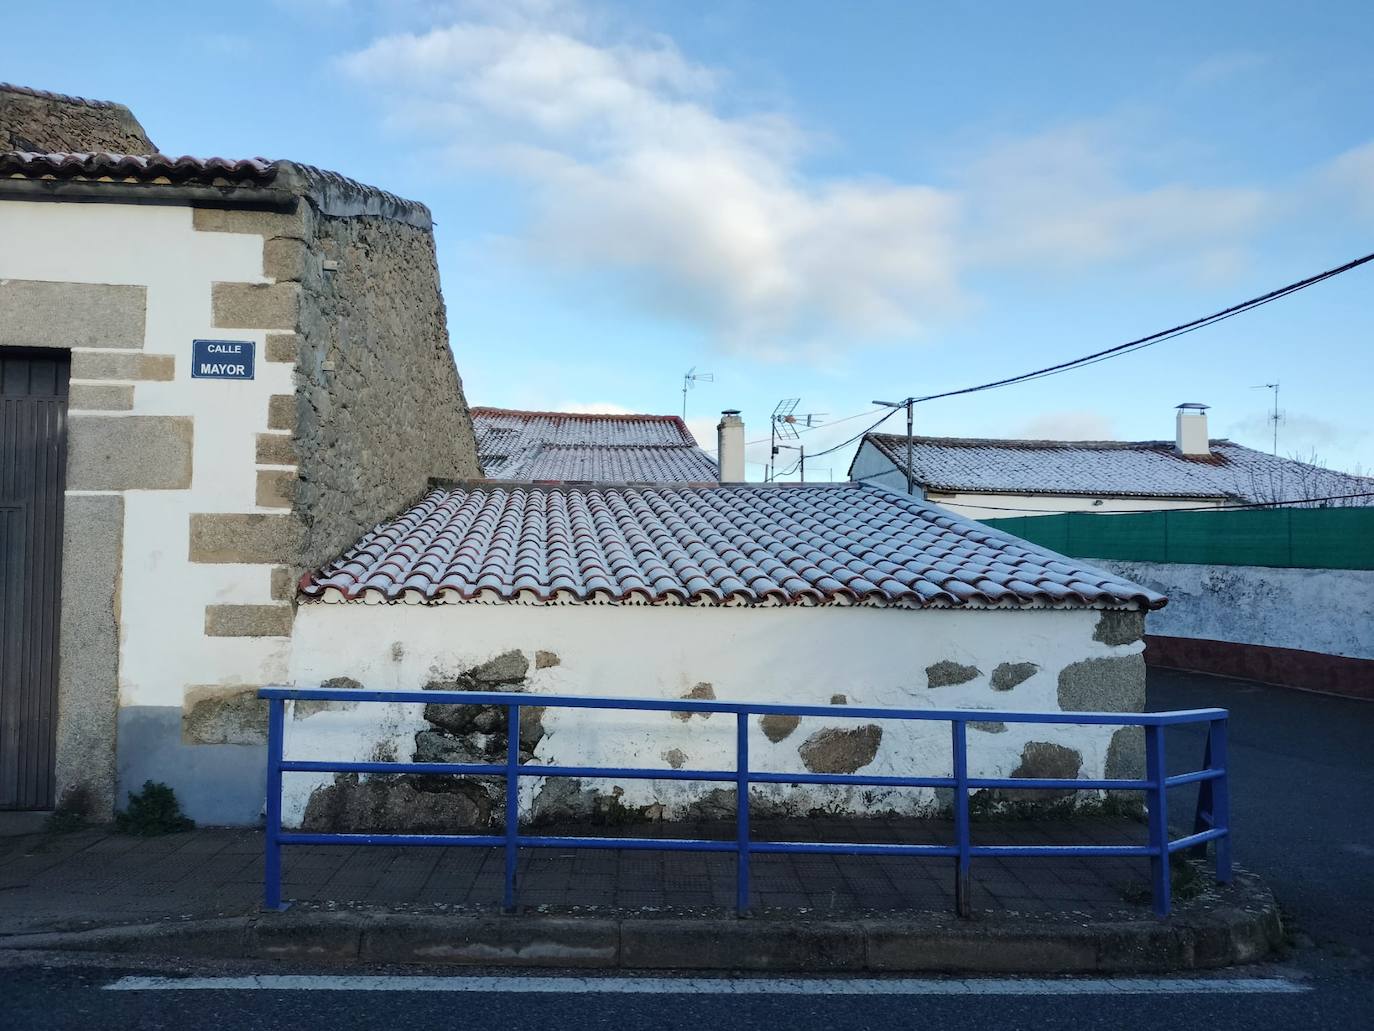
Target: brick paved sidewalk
x,y
96,877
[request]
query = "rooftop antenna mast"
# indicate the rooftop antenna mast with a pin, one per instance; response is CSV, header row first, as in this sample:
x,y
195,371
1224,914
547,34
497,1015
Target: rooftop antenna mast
x,y
783,426
1275,416
689,380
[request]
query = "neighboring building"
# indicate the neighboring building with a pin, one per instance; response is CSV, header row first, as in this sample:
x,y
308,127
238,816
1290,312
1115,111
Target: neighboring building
x,y
816,594
217,374
985,478
573,446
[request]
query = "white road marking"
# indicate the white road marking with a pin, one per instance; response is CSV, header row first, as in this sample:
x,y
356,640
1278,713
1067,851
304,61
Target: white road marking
x,y
717,986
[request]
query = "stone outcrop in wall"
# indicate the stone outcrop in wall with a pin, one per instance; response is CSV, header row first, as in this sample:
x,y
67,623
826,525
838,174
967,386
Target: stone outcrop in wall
x,y
40,121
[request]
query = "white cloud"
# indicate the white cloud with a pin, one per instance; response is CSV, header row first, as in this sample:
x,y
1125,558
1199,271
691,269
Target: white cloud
x,y
631,162
1081,424
1225,67
1065,197
630,166
1352,174
1300,435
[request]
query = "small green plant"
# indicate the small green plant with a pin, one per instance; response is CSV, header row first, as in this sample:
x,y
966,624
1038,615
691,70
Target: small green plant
x,y
153,811
1187,880
73,811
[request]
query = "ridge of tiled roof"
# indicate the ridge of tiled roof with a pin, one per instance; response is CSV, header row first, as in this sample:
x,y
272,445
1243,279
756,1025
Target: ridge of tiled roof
x,y
708,545
515,444
331,192
66,98
141,168
522,413
1145,468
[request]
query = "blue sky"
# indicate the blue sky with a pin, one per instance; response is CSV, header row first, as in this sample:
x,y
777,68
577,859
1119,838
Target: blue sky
x,y
825,201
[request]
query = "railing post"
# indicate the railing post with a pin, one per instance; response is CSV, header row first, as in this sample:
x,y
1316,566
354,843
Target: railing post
x,y
963,902
1155,773
512,803
1221,796
742,813
271,875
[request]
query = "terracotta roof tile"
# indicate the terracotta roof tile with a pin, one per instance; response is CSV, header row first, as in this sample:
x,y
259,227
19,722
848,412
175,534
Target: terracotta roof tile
x,y
137,167
831,544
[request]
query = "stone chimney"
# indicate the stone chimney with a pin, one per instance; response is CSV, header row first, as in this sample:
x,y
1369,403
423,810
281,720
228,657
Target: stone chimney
x,y
1190,431
730,446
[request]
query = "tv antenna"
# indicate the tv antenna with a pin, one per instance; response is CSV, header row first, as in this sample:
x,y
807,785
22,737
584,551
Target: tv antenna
x,y
689,380
1275,416
783,426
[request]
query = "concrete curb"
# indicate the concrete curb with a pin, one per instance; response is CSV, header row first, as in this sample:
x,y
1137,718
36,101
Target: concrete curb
x,y
1212,937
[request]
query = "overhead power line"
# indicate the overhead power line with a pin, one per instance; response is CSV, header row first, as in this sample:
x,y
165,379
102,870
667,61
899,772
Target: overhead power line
x,y
1097,356
1155,338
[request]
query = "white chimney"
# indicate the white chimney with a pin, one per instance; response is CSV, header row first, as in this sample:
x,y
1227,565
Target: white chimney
x,y
730,446
1190,431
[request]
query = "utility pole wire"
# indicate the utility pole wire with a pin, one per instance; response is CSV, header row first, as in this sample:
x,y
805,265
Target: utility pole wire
x,y
1126,348
1155,338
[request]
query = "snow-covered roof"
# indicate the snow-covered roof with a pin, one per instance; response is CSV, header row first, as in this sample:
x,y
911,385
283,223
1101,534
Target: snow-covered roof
x,y
1147,468
572,446
723,544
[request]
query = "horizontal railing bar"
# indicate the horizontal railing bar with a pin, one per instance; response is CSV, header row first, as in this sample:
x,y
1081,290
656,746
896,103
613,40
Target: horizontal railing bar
x,y
637,844
1200,838
464,769
755,776
708,845
853,848
1192,778
856,779
628,773
1060,850
1049,783
307,838
1141,719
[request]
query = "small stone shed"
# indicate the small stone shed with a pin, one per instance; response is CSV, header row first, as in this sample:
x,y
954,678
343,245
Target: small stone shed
x,y
816,594
153,522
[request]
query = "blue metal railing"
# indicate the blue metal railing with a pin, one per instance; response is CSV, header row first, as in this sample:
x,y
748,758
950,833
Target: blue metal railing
x,y
1212,819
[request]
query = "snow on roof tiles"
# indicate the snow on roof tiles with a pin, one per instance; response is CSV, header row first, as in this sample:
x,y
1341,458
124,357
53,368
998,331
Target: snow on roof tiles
x,y
1150,468
524,446
737,544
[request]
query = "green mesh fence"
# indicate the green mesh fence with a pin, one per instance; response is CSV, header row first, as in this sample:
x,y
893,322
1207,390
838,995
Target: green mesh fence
x,y
1302,538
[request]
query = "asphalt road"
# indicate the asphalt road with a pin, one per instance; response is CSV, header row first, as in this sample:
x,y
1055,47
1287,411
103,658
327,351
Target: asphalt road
x,y
1302,805
1303,775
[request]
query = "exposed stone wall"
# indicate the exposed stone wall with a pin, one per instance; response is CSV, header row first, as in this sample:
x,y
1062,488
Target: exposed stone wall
x,y
35,120
378,409
380,406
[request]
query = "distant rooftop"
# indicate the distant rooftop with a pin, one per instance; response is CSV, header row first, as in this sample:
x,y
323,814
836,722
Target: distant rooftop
x,y
1145,468
582,447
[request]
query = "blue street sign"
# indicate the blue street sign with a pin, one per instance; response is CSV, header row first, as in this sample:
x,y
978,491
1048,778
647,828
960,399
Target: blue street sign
x,y
222,359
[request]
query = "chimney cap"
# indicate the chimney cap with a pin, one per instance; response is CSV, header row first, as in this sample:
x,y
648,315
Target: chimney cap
x,y
1194,406
729,411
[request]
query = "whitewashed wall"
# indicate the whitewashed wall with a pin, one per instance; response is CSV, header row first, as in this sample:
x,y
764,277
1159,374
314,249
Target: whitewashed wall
x,y
1317,610
872,656
162,596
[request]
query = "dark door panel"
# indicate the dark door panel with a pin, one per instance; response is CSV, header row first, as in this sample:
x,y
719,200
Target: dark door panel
x,y
33,451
